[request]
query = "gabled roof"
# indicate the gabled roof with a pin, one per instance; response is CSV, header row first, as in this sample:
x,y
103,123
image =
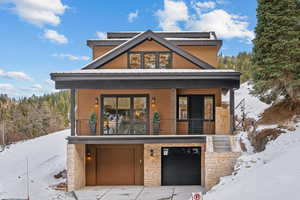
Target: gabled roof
x,y
147,35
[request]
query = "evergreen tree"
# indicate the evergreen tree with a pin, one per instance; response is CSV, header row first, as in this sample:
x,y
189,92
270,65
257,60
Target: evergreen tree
x,y
241,63
276,52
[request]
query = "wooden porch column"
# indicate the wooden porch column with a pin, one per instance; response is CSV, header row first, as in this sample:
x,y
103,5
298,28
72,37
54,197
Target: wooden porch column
x,y
174,111
232,120
72,112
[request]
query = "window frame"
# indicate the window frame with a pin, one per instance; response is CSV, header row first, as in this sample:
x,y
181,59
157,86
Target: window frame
x,y
131,96
157,66
141,60
188,102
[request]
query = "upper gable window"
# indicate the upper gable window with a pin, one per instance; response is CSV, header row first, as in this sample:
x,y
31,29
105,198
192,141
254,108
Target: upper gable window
x,y
150,60
135,60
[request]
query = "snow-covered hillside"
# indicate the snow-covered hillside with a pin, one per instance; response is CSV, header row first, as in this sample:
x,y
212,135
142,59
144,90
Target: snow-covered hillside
x,y
273,174
253,106
270,175
47,157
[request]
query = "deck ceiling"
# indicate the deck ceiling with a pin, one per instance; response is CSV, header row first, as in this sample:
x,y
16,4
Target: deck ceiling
x,y
131,139
146,79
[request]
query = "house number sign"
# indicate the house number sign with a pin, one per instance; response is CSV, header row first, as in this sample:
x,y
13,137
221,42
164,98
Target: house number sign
x,y
197,196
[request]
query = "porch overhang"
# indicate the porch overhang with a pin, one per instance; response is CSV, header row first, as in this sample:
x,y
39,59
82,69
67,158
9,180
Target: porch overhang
x,y
131,139
146,79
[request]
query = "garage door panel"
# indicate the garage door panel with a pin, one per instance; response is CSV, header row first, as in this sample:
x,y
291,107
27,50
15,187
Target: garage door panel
x,y
181,166
115,166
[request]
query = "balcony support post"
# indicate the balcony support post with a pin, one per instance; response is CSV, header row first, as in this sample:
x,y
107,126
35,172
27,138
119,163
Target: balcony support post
x,y
174,109
232,120
72,111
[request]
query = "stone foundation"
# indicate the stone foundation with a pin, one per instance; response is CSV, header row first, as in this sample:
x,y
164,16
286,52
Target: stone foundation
x,y
213,165
75,166
218,165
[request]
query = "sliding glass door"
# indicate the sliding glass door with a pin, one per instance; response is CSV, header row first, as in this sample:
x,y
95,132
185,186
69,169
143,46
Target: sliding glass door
x,y
124,114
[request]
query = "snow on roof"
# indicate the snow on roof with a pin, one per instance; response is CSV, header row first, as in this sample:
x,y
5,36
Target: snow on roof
x,y
122,71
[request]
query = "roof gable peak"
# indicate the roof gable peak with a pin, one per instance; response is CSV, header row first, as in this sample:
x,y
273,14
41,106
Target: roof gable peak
x,y
147,35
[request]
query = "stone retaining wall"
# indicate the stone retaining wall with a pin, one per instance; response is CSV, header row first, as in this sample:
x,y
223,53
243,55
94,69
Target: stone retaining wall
x,y
218,165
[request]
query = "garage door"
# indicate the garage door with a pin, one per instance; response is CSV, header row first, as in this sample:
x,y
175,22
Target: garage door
x,y
181,166
119,165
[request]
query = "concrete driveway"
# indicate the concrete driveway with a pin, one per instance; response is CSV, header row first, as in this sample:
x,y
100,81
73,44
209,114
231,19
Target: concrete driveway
x,y
137,193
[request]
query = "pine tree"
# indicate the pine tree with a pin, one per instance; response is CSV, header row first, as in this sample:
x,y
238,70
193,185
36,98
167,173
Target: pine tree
x,y
276,52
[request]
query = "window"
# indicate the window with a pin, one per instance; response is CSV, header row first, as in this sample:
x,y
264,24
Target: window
x,y
185,107
135,60
182,108
124,115
150,60
208,108
164,60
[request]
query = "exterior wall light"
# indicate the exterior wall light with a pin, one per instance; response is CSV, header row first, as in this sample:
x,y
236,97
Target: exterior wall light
x,y
96,101
153,102
151,152
88,155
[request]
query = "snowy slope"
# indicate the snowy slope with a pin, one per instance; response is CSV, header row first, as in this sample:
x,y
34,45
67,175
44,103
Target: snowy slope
x,y
270,175
273,174
47,156
253,106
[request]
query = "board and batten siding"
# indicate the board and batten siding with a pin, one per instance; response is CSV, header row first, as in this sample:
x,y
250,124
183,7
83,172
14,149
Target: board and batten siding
x,y
205,53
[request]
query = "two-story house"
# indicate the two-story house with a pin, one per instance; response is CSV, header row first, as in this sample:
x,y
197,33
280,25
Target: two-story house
x,y
148,110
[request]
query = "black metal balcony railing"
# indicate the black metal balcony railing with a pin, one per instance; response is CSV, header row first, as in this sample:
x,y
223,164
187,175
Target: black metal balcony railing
x,y
162,127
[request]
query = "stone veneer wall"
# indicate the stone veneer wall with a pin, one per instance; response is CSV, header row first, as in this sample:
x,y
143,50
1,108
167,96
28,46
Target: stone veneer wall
x,y
75,166
218,165
152,165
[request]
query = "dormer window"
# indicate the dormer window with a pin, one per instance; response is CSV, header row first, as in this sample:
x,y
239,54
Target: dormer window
x,y
150,60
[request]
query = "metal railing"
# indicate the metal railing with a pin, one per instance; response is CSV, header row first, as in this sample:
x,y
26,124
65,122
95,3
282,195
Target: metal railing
x,y
148,127
240,122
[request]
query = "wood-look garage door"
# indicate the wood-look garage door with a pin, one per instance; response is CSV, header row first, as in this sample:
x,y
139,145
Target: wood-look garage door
x,y
119,165
181,166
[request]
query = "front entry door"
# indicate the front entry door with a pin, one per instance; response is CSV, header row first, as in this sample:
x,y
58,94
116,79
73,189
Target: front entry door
x,y
196,107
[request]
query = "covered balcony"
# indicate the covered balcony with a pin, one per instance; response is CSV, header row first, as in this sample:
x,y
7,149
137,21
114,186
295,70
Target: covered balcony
x,y
157,103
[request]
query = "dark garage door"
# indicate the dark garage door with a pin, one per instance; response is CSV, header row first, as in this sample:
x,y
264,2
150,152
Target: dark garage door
x,y
181,166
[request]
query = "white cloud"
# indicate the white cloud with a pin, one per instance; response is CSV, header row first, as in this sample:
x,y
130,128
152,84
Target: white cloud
x,y
70,56
50,82
38,12
101,35
37,87
55,37
225,25
6,86
199,6
173,12
133,15
15,75
207,4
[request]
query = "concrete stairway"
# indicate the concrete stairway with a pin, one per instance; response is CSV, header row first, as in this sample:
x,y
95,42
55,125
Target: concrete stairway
x,y
221,144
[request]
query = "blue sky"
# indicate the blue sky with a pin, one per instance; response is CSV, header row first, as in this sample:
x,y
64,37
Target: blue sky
x,y
39,37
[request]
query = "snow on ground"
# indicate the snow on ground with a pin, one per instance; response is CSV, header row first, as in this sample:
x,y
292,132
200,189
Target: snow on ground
x,y
47,157
253,106
272,174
